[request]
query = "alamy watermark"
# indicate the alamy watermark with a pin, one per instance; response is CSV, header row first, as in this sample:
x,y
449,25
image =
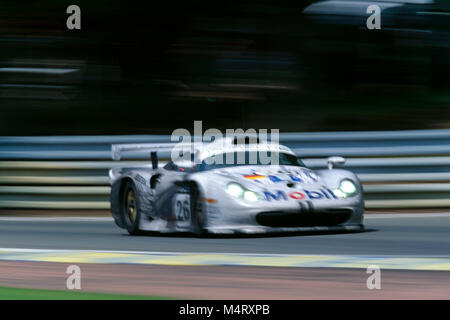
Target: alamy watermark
x,y
249,146
374,20
374,280
74,20
73,281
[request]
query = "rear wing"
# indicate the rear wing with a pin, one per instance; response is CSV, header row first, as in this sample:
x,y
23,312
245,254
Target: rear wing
x,y
153,148
118,149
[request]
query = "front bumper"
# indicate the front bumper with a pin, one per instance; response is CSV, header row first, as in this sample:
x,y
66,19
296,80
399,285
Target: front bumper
x,y
239,216
243,229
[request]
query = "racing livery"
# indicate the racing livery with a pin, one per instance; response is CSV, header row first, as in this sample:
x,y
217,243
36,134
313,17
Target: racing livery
x,y
244,195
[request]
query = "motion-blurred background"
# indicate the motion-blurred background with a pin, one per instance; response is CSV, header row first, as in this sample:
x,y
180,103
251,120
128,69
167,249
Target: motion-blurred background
x,y
140,68
154,66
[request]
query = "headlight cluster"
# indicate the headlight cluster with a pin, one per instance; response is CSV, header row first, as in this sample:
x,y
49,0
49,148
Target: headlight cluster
x,y
347,188
238,191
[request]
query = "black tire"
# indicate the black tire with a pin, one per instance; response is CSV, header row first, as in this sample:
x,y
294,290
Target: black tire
x,y
199,219
130,211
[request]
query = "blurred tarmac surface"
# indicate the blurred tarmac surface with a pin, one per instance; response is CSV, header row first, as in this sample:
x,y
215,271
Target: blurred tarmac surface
x,y
397,234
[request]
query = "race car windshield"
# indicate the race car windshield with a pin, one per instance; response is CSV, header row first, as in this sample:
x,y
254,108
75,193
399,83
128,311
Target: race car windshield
x,y
246,158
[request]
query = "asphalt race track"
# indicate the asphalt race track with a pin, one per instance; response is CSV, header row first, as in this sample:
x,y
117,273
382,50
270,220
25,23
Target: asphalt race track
x,y
412,250
387,234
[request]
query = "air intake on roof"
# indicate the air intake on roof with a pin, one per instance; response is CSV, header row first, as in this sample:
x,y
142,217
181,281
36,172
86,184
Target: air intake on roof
x,y
246,140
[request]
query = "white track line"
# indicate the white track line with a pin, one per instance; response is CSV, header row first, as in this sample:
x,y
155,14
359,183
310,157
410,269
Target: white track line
x,y
405,215
27,250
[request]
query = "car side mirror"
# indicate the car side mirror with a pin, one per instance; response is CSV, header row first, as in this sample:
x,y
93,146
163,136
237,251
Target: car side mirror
x,y
335,161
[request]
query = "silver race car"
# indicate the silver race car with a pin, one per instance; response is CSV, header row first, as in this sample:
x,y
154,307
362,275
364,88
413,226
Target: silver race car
x,y
243,195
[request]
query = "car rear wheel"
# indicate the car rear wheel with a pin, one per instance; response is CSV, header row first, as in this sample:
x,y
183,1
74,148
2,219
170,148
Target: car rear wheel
x,y
130,209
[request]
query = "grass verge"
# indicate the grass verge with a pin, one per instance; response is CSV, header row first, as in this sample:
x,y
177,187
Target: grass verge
x,y
7,293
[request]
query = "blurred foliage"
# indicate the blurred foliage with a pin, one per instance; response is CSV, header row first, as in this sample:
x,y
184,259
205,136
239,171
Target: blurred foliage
x,y
152,67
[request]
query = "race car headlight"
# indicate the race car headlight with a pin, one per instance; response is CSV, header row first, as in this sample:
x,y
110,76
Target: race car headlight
x,y
347,188
238,191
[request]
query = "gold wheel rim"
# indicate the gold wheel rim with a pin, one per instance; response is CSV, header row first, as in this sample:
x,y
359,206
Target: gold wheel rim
x,y
131,206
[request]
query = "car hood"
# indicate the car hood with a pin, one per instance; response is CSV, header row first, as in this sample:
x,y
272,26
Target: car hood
x,y
271,176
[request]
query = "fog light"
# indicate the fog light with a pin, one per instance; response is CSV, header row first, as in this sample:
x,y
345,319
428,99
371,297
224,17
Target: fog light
x,y
250,196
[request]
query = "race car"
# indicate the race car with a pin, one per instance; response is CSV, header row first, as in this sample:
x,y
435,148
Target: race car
x,y
242,195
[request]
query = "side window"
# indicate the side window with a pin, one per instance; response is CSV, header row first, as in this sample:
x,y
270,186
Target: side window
x,y
170,166
173,167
